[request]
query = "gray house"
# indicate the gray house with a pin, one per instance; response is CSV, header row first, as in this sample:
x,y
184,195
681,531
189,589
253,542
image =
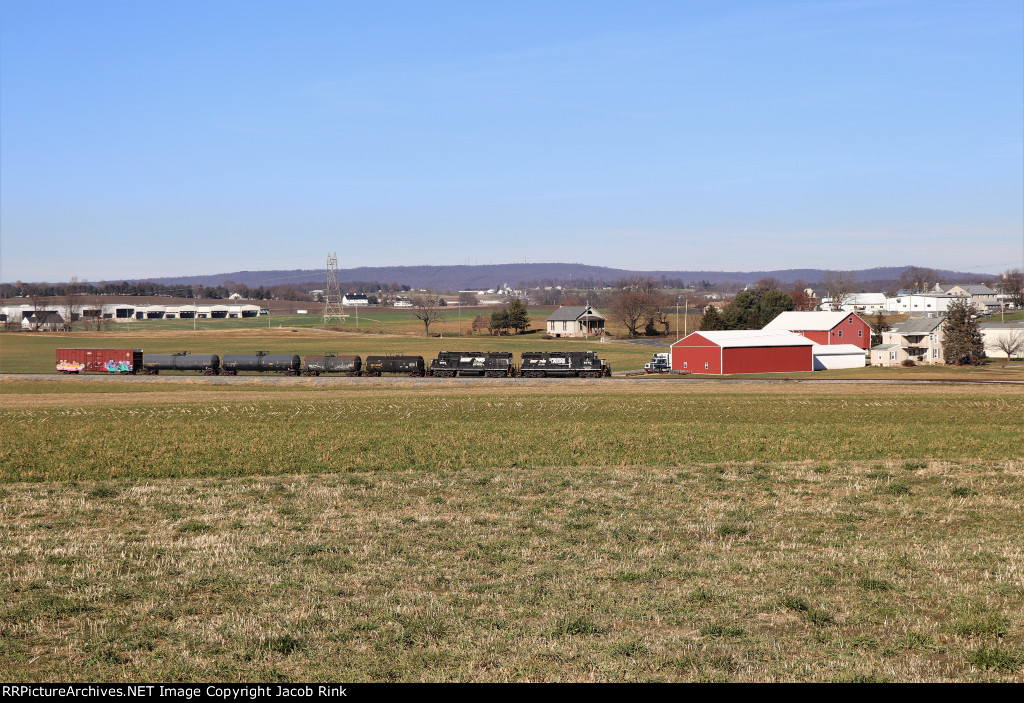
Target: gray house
x,y
575,321
919,339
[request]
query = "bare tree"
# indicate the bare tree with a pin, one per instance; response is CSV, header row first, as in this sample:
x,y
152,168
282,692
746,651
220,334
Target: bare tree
x,y
631,307
1011,344
879,325
802,300
918,279
481,323
38,303
71,305
1012,285
840,287
769,283
426,307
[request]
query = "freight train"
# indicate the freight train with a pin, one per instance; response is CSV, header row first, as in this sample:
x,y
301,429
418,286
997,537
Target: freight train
x,y
447,364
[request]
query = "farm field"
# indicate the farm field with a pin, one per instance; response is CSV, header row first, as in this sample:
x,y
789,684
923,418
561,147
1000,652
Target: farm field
x,y
487,532
35,352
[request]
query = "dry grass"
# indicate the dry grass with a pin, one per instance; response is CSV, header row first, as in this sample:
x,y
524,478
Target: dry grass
x,y
492,533
724,572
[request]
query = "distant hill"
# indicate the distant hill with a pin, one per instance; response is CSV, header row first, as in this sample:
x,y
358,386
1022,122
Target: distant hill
x,y
492,275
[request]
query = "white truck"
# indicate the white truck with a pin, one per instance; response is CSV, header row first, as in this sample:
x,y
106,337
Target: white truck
x,y
659,363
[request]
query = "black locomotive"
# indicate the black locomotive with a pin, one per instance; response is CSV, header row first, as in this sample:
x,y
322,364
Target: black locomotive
x,y
490,364
562,364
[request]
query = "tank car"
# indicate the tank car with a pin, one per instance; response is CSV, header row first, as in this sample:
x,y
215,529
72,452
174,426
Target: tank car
x,y
332,363
411,365
562,364
491,364
288,364
208,364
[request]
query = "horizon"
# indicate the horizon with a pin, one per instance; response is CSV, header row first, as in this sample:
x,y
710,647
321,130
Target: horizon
x,y
309,275
145,140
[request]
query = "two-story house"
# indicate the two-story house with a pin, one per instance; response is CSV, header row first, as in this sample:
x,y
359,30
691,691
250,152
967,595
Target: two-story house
x,y
918,339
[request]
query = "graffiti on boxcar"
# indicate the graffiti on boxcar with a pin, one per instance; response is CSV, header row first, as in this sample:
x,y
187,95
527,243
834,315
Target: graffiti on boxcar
x,y
70,366
117,366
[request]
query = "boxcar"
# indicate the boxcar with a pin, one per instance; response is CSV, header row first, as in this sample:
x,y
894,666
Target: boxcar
x,y
99,360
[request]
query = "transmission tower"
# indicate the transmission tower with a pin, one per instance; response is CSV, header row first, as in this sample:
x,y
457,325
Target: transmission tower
x,y
332,295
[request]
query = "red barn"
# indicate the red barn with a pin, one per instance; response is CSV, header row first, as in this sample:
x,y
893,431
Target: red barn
x,y
825,327
743,351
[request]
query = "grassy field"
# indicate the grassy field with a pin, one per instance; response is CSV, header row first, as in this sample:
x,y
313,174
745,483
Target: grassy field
x,y
586,532
35,352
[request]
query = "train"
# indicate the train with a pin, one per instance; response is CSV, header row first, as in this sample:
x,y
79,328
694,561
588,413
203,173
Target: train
x,y
577,364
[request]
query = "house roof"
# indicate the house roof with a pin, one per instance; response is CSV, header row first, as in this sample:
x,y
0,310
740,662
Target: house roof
x,y
812,321
975,288
866,299
571,313
752,338
46,317
883,347
917,325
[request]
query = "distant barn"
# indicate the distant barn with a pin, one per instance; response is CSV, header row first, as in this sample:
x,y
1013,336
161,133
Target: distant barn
x,y
824,327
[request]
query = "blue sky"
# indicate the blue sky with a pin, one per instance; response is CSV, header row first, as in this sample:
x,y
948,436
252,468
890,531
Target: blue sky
x,y
150,139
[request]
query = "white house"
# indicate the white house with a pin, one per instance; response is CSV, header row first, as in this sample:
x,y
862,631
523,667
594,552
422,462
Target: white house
x,y
575,321
918,339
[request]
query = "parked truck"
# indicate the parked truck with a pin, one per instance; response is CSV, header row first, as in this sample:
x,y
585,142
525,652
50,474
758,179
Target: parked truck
x,y
659,363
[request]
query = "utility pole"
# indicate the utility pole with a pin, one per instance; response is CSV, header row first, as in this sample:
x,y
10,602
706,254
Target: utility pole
x,y
677,319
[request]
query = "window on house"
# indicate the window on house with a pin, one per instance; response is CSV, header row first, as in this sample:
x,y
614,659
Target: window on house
x,y
935,353
684,364
564,326
840,333
705,365
860,333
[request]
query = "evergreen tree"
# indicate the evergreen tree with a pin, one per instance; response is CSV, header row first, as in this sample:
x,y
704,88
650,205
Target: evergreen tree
x,y
499,321
743,313
712,319
772,304
962,343
518,317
